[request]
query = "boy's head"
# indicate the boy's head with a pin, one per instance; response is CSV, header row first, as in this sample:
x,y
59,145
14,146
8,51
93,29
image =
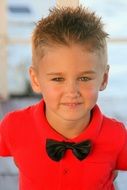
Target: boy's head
x,y
69,63
67,26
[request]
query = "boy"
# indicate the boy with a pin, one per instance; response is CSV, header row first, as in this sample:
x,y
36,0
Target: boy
x,y
64,141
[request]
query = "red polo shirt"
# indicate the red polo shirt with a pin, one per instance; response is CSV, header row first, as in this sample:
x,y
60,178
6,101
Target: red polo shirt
x,y
23,135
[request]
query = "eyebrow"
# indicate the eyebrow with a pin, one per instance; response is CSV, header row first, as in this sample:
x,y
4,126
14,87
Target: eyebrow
x,y
87,72
53,73
80,73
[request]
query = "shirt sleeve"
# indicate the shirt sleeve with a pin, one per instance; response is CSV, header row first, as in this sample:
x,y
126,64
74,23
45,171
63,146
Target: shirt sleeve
x,y
122,158
4,144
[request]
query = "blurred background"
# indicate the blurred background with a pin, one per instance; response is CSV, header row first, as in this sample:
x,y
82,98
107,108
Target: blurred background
x,y
17,20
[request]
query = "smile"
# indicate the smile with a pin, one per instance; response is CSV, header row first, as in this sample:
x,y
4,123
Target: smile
x,y
72,105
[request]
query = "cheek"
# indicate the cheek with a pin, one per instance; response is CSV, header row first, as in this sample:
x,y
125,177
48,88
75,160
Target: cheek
x,y
90,89
90,92
51,91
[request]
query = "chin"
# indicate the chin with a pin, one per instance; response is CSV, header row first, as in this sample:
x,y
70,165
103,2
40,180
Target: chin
x,y
73,117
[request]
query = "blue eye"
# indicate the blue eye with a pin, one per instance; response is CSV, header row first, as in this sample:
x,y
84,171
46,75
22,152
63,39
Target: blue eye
x,y
58,79
84,79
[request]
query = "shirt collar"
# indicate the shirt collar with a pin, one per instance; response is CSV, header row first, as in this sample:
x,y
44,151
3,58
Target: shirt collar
x,y
46,131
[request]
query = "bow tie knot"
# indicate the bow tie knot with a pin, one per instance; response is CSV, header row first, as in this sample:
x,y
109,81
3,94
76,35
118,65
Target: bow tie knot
x,y
68,145
56,149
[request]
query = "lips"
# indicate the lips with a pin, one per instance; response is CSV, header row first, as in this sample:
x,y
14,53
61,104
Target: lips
x,y
72,104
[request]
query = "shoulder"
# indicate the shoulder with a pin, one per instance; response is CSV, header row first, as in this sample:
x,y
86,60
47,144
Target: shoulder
x,y
113,131
113,124
109,125
19,117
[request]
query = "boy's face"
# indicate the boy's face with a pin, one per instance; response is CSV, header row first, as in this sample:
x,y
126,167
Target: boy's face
x,y
69,79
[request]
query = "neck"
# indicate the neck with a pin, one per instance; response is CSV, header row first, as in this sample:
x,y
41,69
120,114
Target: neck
x,y
69,129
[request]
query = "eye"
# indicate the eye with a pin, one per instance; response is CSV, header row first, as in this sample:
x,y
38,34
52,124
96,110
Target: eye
x,y
58,79
84,79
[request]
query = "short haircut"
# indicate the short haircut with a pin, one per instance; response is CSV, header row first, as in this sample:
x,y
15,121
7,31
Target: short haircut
x,y
67,26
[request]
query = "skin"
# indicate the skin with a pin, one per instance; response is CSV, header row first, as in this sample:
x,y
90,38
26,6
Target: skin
x,y
70,79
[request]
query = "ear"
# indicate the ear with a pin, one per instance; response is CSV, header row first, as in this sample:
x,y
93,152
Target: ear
x,y
34,80
105,79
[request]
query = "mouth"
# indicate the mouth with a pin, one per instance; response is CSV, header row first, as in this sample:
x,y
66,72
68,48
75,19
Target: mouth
x,y
72,104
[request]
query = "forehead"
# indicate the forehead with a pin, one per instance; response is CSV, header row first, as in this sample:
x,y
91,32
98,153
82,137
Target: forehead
x,y
71,56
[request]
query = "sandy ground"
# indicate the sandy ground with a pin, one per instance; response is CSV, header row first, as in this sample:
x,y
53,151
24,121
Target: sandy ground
x,y
9,173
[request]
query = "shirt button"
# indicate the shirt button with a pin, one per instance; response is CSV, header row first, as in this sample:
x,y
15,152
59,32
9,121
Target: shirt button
x,y
65,171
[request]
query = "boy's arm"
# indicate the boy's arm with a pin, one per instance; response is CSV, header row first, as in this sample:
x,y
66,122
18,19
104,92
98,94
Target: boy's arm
x,y
4,150
122,158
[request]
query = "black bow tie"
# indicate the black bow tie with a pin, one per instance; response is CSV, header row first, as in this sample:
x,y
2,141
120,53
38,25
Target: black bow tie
x,y
56,149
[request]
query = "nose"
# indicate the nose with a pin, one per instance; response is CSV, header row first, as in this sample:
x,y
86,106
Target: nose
x,y
72,89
